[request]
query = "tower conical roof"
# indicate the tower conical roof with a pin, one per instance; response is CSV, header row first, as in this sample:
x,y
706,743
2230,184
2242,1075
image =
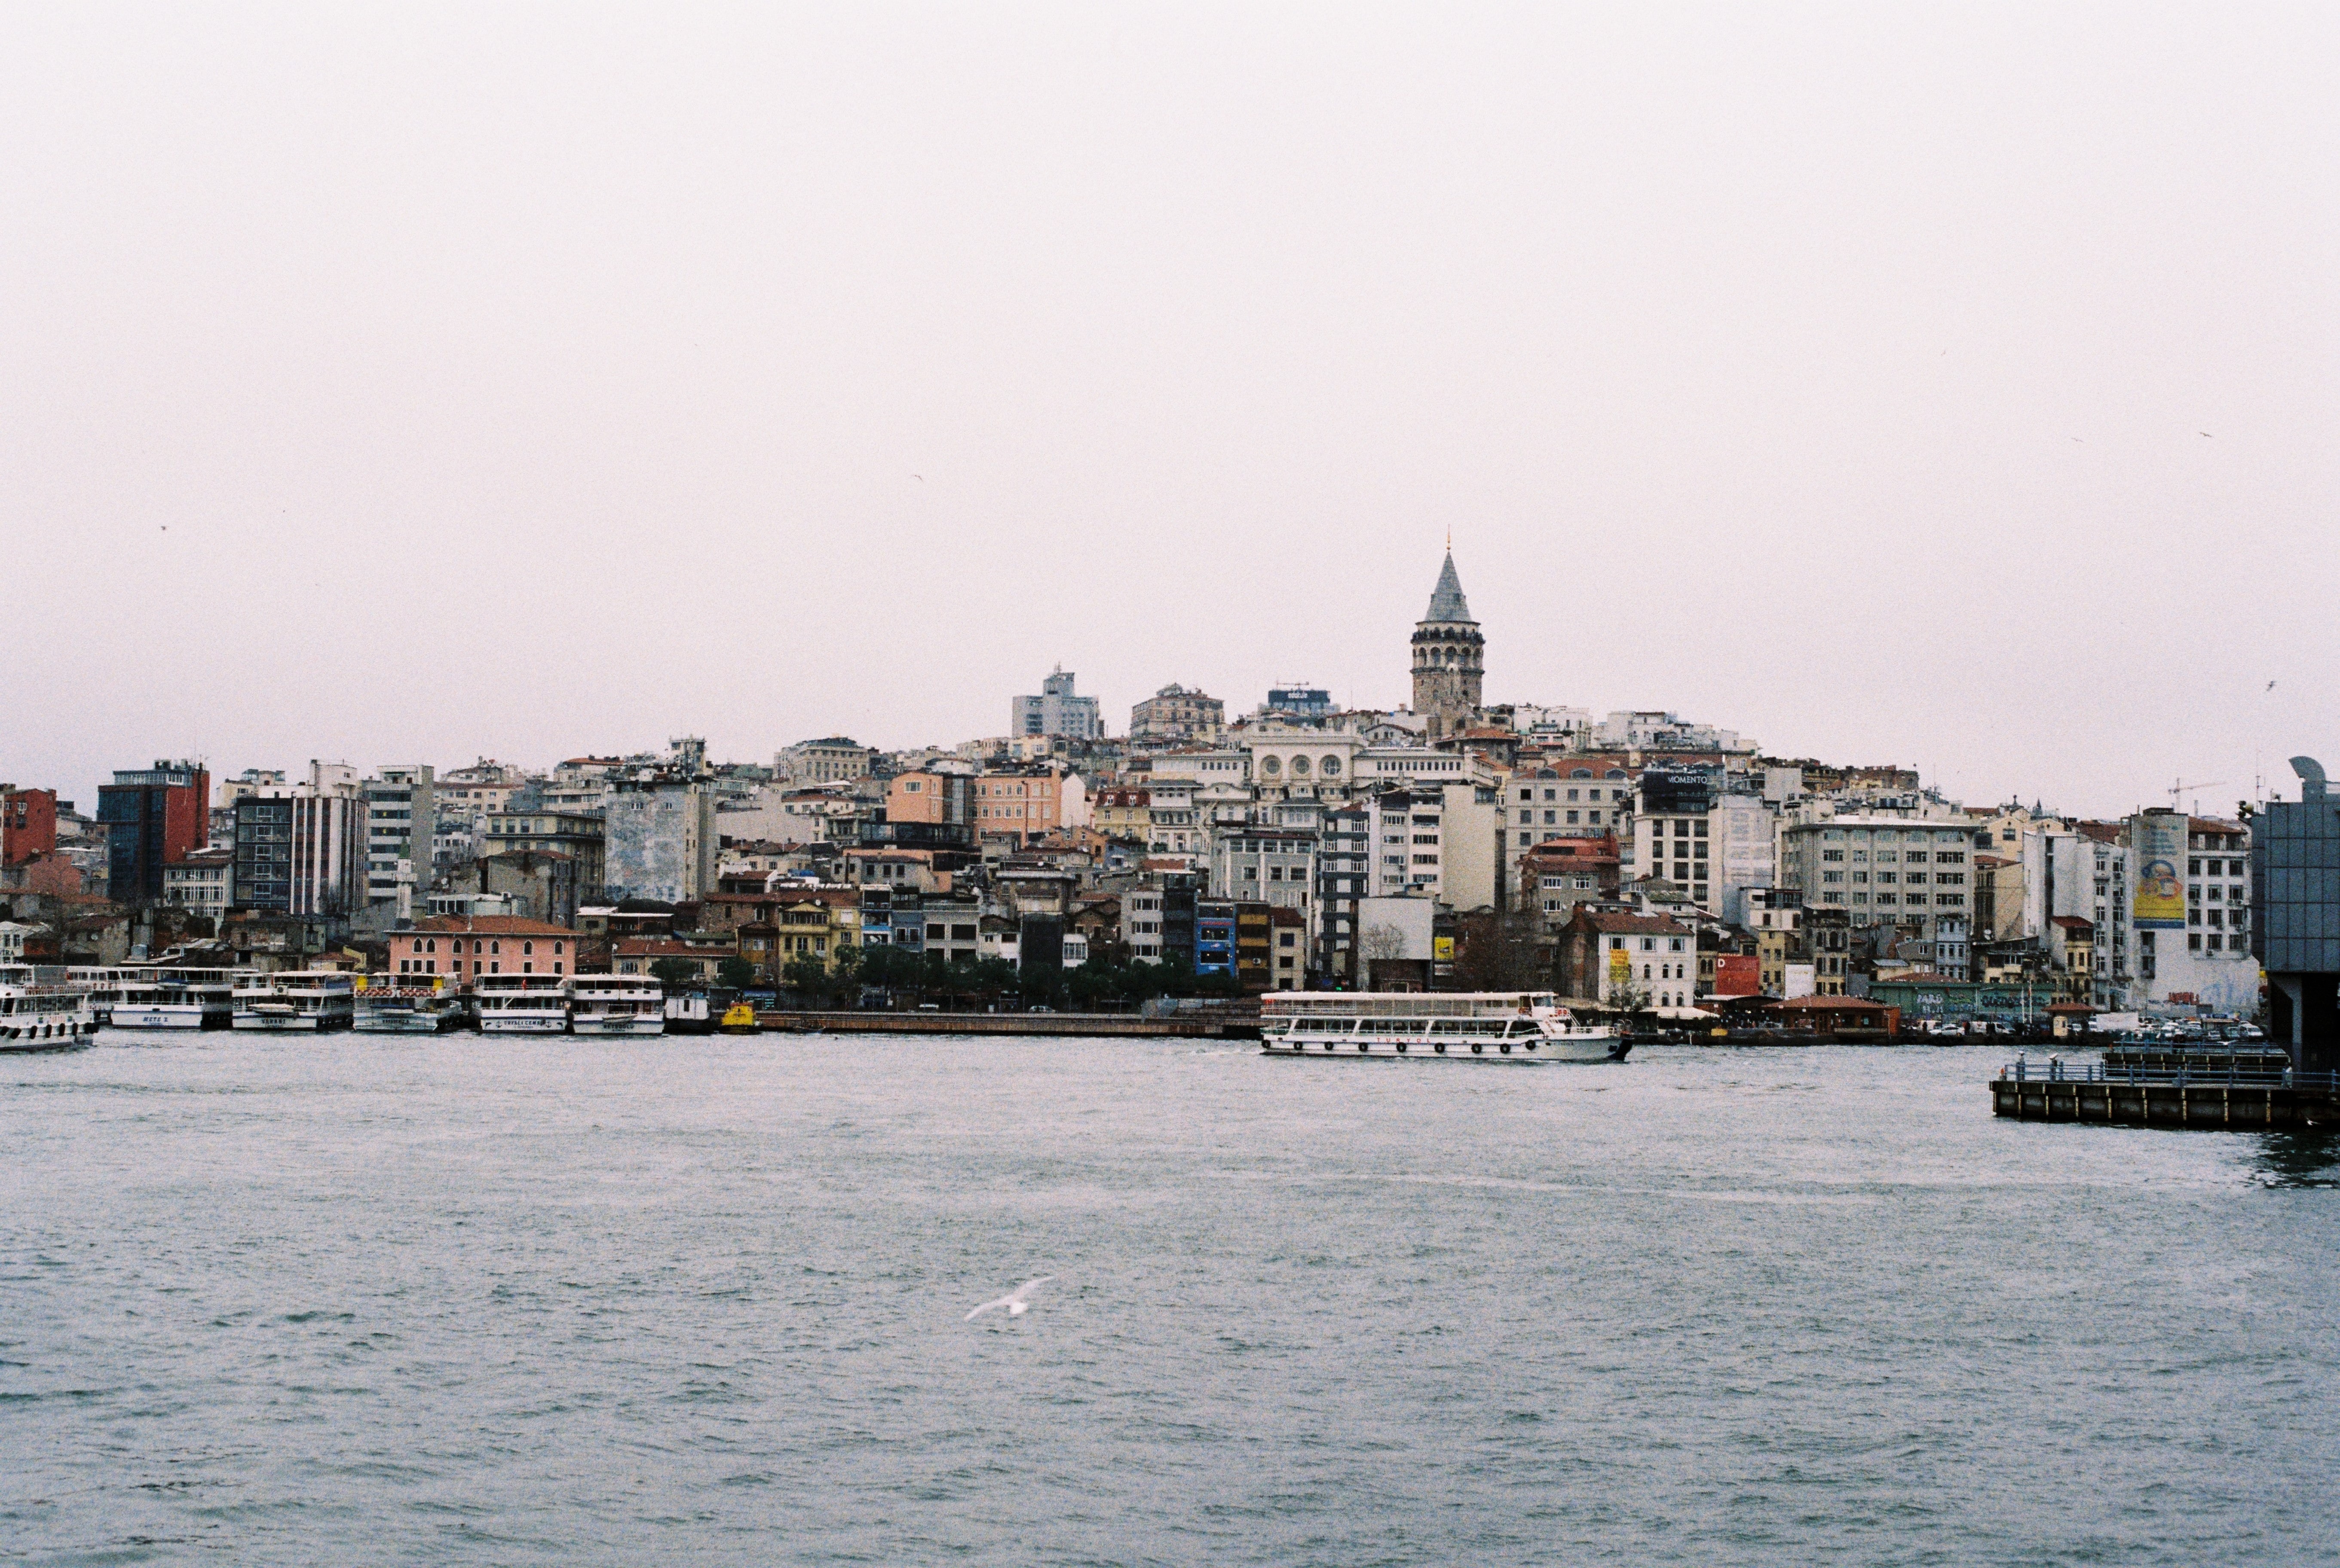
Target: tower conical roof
x,y
1446,600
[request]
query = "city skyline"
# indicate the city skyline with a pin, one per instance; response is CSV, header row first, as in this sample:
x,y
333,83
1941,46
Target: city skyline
x,y
2211,795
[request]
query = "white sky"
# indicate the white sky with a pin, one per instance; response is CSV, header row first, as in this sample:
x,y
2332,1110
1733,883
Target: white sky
x,y
412,383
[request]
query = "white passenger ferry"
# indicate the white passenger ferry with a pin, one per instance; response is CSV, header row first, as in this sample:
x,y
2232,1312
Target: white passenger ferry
x,y
522,1004
315,1000
1520,1027
39,1010
109,989
616,1004
173,998
408,1004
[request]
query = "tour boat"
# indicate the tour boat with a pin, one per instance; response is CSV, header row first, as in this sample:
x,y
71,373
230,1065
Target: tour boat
x,y
406,1004
1515,1027
173,998
616,1004
522,1004
42,1013
309,999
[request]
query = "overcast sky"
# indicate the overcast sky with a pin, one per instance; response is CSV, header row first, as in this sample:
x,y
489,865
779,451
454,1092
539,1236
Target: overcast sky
x,y
1947,386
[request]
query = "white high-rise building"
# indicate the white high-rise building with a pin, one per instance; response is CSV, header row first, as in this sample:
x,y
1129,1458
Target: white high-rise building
x,y
401,813
1056,711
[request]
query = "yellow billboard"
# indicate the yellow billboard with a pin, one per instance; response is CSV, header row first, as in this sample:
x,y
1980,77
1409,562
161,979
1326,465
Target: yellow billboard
x,y
2158,839
1621,966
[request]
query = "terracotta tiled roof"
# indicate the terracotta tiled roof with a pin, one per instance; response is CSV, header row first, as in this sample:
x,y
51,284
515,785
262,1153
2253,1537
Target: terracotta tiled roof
x,y
1623,922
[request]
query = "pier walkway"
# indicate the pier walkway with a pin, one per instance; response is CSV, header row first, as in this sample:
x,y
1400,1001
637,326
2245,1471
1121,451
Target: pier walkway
x,y
2236,1099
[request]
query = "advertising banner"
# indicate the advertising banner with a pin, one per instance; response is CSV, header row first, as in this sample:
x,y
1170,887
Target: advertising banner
x,y
1738,974
2159,840
1621,966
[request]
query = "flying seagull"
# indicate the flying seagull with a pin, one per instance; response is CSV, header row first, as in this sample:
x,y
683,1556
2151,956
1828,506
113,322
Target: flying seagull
x,y
1013,1300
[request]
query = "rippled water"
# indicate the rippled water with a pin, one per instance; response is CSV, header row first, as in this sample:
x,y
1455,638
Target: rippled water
x,y
366,1300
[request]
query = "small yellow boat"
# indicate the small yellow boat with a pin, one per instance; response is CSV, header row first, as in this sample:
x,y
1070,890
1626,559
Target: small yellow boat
x,y
738,1019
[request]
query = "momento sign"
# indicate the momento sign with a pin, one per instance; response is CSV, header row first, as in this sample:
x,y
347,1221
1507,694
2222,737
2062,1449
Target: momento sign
x,y
2159,841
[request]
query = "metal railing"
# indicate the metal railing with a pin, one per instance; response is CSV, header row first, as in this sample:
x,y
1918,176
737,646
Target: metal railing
x,y
2054,1070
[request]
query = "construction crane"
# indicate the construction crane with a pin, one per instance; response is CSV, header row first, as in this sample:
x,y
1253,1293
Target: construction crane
x,y
2177,788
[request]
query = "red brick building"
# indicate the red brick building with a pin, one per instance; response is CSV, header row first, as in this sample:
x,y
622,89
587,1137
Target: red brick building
x,y
28,824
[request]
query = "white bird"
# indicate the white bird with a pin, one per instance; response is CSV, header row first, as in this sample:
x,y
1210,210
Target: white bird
x,y
1013,1300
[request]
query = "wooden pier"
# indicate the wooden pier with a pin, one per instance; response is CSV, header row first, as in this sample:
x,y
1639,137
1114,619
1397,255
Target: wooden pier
x,y
2259,1103
1082,1025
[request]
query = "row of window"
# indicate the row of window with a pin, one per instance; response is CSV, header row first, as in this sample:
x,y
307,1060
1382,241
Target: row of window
x,y
455,966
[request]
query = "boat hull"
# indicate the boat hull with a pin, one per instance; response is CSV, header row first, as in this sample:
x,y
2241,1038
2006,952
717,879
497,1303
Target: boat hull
x,y
169,1018
404,1022
491,1024
66,1032
616,1027
298,1023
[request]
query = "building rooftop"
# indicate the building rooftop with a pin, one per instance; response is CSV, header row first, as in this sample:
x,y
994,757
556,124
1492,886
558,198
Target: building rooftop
x,y
487,925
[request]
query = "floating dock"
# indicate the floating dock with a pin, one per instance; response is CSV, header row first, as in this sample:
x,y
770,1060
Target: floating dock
x,y
2233,1101
1086,1025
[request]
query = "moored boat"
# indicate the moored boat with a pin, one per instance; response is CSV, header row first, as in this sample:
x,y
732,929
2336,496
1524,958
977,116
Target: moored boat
x,y
185,999
306,999
694,1009
1520,1028
522,1004
616,1004
406,1004
109,988
40,1010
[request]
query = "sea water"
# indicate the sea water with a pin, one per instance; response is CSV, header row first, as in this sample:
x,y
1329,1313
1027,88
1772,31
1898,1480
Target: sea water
x,y
365,1299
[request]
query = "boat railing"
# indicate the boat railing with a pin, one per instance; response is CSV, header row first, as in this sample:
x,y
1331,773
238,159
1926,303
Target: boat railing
x,y
2056,1070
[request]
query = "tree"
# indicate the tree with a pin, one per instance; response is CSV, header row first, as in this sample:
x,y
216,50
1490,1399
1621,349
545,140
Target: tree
x,y
735,972
675,971
807,976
